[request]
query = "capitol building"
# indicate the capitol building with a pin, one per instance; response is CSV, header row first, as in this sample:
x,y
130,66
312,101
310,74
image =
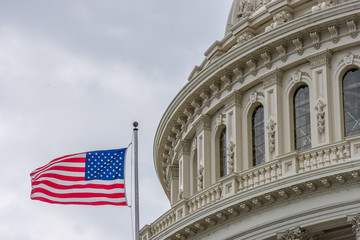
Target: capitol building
x,y
263,141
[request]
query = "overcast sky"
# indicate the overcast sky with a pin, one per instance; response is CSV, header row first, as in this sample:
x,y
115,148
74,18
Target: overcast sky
x,y
74,75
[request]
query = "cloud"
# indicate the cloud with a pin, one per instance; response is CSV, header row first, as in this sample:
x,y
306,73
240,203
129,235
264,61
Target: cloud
x,y
73,77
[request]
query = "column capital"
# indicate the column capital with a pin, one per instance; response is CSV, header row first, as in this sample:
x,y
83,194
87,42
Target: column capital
x,y
233,99
320,58
272,78
294,234
354,220
202,122
184,147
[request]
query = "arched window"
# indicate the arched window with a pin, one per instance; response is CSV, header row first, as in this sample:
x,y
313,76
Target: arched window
x,y
195,173
351,102
301,106
258,140
222,153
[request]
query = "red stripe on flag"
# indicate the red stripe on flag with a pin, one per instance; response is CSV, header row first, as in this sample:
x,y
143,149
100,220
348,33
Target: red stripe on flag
x,y
61,177
90,185
82,203
69,160
77,195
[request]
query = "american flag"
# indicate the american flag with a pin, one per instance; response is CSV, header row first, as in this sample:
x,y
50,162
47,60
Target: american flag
x,y
89,178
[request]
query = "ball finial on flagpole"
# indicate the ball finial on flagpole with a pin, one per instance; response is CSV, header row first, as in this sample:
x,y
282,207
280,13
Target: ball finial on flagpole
x,y
135,124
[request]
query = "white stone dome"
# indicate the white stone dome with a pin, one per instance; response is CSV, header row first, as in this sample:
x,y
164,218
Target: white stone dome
x,y
263,142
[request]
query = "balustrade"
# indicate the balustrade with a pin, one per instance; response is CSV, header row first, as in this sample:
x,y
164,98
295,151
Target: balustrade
x,y
252,178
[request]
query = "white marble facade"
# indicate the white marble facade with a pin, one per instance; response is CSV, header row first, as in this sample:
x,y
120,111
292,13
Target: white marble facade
x,y
204,146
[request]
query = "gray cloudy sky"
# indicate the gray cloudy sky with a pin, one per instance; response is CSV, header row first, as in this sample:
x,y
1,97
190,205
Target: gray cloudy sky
x,y
74,75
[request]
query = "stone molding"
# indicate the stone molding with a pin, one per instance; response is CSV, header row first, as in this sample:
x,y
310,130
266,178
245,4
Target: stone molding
x,y
202,122
272,78
320,59
233,99
295,234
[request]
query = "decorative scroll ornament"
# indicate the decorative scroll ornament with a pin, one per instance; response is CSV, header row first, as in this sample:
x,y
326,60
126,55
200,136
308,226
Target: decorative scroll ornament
x,y
320,106
194,144
220,119
201,178
230,159
279,19
295,234
297,77
254,97
271,134
322,4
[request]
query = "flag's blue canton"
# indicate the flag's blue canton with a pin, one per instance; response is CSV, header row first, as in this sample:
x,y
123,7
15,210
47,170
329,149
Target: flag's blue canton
x,y
105,165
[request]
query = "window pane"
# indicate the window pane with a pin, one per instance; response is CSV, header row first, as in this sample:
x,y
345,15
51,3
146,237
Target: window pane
x,y
351,98
257,125
301,105
222,153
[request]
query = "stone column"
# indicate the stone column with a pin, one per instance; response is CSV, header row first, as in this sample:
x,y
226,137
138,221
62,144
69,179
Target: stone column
x,y
183,151
173,172
354,220
321,110
233,131
295,234
203,136
273,114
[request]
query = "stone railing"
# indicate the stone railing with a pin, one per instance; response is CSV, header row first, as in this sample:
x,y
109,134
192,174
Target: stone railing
x,y
318,158
284,166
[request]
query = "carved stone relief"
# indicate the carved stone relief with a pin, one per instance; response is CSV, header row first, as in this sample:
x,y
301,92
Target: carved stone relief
x,y
320,106
295,234
297,77
279,19
255,96
181,194
220,119
354,220
201,178
246,8
322,4
230,159
271,134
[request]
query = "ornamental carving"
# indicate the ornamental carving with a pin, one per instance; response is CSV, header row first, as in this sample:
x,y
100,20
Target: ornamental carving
x,y
295,234
354,220
201,178
181,194
322,4
271,134
246,36
255,96
320,107
279,19
297,77
246,8
220,119
194,145
230,159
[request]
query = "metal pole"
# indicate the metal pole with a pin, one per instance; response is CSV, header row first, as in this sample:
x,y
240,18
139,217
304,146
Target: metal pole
x,y
136,191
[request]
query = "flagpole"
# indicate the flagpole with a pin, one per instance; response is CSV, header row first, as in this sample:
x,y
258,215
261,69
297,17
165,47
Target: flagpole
x,y
136,191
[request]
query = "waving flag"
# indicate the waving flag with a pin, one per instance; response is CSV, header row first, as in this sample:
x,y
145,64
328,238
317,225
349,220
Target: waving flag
x,y
89,178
